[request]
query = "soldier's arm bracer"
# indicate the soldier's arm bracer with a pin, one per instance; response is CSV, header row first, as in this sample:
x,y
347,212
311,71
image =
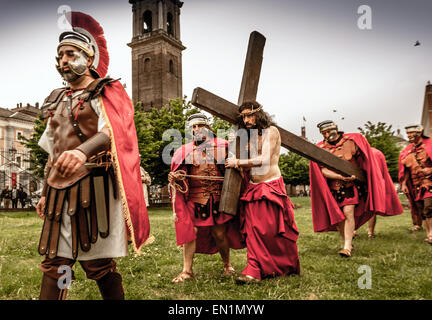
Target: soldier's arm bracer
x,y
92,146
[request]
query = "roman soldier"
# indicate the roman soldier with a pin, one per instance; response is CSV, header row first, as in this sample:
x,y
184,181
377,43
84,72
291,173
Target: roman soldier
x,y
339,202
92,196
196,177
415,176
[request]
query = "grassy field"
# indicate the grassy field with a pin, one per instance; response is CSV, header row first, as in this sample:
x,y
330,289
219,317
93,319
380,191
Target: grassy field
x,y
399,261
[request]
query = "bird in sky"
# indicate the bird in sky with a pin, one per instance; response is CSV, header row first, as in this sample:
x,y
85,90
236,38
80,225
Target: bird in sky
x,y
417,43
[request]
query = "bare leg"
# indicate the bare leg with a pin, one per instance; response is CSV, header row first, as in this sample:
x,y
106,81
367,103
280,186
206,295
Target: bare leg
x,y
371,224
428,226
188,255
349,227
341,228
219,234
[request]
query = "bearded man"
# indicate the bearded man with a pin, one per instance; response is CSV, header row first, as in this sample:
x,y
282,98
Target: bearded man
x,y
197,169
267,213
415,176
339,202
92,196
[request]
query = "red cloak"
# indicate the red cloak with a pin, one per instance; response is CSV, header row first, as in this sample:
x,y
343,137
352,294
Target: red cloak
x,y
118,113
185,209
415,214
326,213
270,230
393,205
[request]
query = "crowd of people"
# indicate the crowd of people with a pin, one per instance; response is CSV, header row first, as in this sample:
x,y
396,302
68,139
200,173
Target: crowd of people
x,y
13,198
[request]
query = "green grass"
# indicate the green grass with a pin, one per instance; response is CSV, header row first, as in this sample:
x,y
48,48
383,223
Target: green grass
x,y
400,263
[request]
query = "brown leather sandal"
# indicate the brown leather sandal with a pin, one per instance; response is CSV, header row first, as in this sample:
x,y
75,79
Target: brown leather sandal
x,y
416,228
183,276
246,279
228,271
345,253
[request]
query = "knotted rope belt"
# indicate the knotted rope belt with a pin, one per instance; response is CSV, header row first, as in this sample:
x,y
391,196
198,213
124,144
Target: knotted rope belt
x,y
182,174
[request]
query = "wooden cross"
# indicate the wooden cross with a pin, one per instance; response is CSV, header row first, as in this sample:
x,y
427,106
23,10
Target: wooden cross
x,y
228,111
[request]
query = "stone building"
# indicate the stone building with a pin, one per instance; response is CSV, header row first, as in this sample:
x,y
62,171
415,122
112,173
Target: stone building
x,y
14,169
156,52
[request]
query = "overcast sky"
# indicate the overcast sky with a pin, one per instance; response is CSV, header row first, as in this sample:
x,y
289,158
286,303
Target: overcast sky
x,y
316,58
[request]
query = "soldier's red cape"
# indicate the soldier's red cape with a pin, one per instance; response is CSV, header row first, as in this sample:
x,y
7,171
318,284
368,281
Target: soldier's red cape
x,y
393,205
118,113
184,209
415,214
326,213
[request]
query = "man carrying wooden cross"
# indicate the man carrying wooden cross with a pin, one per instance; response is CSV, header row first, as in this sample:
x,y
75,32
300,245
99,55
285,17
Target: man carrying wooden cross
x,y
415,175
200,228
266,211
340,202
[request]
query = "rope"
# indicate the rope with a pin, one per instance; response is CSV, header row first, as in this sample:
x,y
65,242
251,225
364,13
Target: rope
x,y
182,175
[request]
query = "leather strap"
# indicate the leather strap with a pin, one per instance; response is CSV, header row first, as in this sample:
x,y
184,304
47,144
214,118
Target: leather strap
x,y
74,231
83,229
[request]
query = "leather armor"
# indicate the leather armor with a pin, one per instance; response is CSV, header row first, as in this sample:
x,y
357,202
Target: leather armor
x,y
204,162
416,161
347,150
73,122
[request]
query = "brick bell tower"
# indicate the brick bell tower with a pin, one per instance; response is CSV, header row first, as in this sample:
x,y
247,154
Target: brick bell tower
x,y
156,52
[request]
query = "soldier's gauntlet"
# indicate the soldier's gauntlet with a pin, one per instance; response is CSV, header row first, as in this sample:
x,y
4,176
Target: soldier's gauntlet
x,y
92,146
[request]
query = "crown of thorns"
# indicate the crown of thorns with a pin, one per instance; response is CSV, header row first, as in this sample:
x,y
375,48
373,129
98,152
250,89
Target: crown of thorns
x,y
248,113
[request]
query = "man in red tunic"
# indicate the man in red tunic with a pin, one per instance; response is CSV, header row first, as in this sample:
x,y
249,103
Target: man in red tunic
x,y
339,202
415,175
200,227
267,213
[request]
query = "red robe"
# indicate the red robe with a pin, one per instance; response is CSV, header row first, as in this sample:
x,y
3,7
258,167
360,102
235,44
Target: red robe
x,y
415,214
118,113
326,213
185,209
270,230
393,205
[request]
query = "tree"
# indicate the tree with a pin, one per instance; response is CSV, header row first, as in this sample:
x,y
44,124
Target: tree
x,y
38,156
294,169
381,137
151,128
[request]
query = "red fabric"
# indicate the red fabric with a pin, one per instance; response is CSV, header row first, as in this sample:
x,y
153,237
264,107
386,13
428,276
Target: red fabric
x,y
270,230
393,205
120,113
415,214
185,209
326,213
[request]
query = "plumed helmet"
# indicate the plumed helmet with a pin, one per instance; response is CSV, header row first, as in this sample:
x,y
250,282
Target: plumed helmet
x,y
87,35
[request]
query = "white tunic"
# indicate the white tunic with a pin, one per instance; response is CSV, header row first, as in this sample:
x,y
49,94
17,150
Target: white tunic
x,y
113,246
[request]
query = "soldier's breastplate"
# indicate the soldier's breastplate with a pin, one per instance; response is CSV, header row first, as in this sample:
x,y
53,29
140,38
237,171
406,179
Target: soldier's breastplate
x,y
66,138
415,162
200,190
346,150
